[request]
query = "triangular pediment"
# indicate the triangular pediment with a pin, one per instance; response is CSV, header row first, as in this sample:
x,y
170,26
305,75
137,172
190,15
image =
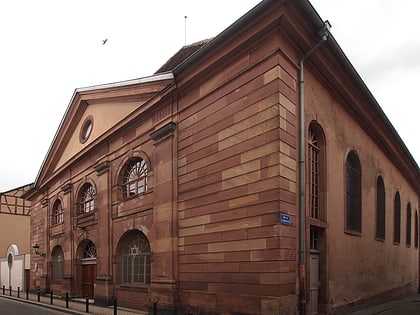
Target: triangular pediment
x,y
94,113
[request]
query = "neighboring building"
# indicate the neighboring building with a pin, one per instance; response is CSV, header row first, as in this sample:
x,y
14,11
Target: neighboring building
x,y
183,188
15,220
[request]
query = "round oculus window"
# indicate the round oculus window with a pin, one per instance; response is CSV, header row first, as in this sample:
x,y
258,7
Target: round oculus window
x,y
86,130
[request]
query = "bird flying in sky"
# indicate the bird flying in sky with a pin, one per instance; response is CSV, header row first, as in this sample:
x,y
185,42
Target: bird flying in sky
x,y
104,41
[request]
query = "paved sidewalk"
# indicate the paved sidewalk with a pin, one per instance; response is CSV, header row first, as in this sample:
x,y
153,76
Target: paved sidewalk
x,y
409,305
76,306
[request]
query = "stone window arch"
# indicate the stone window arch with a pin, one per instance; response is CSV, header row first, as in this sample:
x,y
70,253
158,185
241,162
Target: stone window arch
x,y
397,218
408,228
89,251
134,259
416,230
380,209
353,193
57,264
57,212
316,171
135,177
86,198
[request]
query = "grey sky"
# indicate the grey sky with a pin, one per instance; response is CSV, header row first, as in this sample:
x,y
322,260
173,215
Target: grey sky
x,y
49,48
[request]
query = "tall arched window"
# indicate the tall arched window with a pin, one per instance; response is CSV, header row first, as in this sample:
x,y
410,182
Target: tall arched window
x,y
135,178
134,259
353,193
408,229
57,212
380,208
416,230
87,199
57,264
314,173
397,218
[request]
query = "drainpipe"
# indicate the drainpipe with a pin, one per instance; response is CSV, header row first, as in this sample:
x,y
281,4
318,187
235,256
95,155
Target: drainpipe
x,y
301,169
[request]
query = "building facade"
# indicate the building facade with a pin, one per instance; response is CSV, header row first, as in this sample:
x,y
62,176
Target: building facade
x,y
183,189
15,239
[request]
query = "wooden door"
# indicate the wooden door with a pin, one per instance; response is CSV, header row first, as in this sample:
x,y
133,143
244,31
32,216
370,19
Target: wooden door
x,y
314,281
27,279
88,280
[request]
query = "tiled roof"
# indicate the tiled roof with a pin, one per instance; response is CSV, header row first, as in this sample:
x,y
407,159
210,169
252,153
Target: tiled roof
x,y
181,55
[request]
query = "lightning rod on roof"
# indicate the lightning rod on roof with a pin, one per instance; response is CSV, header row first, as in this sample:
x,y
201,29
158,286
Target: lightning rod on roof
x,y
185,31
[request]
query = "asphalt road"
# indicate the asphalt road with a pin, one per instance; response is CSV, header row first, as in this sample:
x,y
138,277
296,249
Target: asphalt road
x,y
410,308
12,307
409,305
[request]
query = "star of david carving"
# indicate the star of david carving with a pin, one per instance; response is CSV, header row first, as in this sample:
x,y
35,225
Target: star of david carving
x,y
134,250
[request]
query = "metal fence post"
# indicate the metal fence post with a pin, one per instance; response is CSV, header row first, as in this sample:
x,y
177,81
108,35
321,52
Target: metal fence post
x,y
67,300
87,304
18,292
51,297
115,306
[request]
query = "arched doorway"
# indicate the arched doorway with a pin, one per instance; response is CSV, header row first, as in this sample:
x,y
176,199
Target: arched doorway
x,y
87,258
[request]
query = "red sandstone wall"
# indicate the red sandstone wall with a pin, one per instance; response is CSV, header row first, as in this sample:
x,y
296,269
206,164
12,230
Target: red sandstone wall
x,y
233,254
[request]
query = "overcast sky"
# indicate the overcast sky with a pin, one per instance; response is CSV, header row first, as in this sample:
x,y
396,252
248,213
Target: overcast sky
x,y
48,48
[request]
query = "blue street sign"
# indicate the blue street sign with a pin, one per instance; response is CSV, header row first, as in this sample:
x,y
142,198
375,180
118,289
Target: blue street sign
x,y
285,219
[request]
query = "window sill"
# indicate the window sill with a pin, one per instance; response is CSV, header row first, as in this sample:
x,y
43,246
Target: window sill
x,y
126,198
57,224
134,286
382,240
318,223
353,233
86,214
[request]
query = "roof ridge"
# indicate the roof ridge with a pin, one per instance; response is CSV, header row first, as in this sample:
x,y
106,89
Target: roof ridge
x,y
181,55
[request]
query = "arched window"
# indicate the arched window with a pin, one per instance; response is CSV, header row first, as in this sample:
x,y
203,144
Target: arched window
x,y
408,230
57,264
90,251
135,178
397,218
353,193
416,230
87,199
57,212
380,208
314,173
134,259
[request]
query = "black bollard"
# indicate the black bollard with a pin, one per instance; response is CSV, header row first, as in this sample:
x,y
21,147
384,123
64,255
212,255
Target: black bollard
x,y
27,294
3,290
18,292
51,298
155,308
115,306
39,295
10,290
87,304
67,300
